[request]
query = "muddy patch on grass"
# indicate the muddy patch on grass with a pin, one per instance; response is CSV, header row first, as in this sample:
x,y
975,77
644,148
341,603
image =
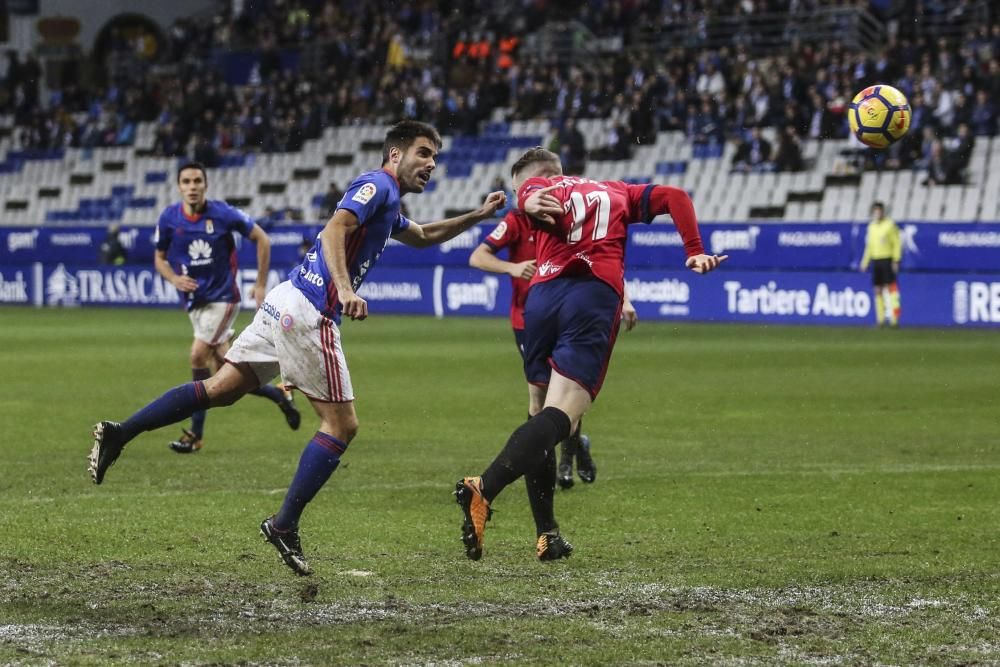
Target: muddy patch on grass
x,y
816,625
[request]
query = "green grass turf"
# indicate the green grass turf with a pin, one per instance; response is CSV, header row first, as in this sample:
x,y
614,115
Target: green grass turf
x,y
764,495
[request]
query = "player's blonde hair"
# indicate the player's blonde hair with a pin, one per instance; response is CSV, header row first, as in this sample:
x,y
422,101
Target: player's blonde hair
x,y
542,162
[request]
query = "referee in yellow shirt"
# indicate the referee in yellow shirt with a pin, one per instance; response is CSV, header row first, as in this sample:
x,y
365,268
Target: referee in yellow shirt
x,y
883,249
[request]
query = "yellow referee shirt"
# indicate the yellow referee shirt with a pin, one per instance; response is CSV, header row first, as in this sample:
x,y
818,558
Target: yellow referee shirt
x,y
882,242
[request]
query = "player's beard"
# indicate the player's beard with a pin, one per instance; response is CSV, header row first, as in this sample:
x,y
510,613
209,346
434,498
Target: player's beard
x,y
411,180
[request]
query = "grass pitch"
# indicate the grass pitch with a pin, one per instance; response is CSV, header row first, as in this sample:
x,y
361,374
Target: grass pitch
x,y
764,495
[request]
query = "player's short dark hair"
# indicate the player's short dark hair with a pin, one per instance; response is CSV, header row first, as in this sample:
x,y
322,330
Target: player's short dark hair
x,y
404,133
534,156
878,204
193,165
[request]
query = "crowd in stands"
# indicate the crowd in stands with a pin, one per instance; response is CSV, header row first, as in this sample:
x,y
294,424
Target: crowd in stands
x,y
455,63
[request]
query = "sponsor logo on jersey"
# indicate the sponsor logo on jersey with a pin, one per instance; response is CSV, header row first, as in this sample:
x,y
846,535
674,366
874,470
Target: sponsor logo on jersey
x,y
482,294
499,231
311,277
270,310
975,301
549,269
365,193
200,251
22,240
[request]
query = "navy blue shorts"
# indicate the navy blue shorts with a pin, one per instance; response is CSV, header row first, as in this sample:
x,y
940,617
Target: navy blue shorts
x,y
519,341
570,325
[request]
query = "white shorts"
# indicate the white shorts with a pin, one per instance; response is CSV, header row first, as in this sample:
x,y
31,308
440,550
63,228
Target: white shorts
x,y
288,336
213,322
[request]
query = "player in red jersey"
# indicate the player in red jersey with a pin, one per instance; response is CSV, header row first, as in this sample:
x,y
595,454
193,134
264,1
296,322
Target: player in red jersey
x,y
571,320
516,233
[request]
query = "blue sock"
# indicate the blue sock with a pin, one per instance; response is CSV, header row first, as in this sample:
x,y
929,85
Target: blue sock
x,y
177,404
319,459
270,391
198,418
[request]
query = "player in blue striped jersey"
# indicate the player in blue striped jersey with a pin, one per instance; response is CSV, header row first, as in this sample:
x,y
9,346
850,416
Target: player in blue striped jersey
x,y
296,334
196,253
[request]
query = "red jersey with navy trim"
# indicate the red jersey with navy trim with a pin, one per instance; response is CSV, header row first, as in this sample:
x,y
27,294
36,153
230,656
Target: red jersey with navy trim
x,y
516,234
589,237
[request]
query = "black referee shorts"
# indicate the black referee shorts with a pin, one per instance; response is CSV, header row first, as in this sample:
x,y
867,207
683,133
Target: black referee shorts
x,y
882,273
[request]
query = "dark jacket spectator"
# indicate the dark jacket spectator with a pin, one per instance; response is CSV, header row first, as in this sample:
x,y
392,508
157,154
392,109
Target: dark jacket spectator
x,y
331,199
112,252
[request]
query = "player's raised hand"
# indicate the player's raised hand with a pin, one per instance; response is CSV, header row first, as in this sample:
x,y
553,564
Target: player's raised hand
x,y
494,202
705,263
184,283
354,306
523,270
542,206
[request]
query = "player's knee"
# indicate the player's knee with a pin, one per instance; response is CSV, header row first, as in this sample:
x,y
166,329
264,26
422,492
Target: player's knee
x,y
350,428
343,428
229,385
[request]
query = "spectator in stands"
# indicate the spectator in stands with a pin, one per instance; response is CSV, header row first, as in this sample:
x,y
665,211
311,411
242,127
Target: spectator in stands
x,y
942,169
789,155
330,200
753,154
572,147
270,218
964,143
641,120
617,146
112,251
984,115
705,127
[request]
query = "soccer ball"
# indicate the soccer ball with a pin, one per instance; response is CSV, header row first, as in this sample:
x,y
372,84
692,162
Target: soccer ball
x,y
879,116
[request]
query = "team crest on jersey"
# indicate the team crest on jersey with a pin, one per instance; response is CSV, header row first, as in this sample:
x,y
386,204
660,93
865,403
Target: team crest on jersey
x,y
364,193
499,231
287,322
209,227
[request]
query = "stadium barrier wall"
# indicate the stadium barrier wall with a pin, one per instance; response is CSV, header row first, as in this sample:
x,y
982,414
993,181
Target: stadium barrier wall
x,y
775,297
960,247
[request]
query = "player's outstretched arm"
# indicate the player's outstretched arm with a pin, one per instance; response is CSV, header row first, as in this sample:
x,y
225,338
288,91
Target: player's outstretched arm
x,y
334,240
263,241
484,258
433,233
